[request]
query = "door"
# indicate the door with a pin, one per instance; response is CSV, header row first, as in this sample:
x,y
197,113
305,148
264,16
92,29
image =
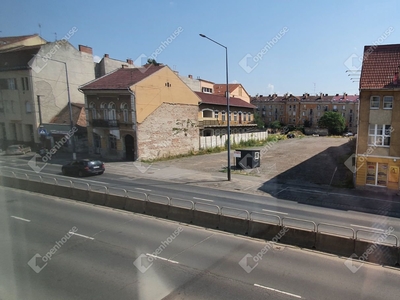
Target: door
x,y
129,147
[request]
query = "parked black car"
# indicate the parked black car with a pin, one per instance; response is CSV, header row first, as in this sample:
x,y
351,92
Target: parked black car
x,y
83,167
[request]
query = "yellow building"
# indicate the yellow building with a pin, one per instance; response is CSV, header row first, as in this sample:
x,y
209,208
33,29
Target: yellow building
x,y
377,160
236,90
141,113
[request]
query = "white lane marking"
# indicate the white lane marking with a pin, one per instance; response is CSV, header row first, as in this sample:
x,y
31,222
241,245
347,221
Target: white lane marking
x,y
81,235
277,212
22,219
203,199
370,228
143,189
162,258
278,291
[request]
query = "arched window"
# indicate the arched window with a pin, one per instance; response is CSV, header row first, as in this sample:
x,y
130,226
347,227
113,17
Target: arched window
x,y
111,111
92,108
207,113
125,113
103,107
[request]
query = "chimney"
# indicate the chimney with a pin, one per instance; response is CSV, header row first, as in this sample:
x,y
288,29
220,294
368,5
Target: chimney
x,y
396,78
124,66
106,55
129,61
190,76
337,95
85,49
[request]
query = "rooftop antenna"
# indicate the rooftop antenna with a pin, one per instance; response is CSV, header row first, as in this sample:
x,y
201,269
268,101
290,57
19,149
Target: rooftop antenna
x,y
55,35
314,87
40,29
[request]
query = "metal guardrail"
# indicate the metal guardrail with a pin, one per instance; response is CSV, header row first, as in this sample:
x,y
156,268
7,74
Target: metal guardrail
x,y
197,206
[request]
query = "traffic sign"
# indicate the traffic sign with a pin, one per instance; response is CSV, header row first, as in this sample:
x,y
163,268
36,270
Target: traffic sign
x,y
42,131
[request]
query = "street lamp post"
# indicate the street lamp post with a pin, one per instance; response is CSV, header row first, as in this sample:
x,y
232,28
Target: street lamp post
x,y
227,104
69,106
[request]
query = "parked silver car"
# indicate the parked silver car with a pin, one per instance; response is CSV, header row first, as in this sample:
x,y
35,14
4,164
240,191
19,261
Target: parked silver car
x,y
17,150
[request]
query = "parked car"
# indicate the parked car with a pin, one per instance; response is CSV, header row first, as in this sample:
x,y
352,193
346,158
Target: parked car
x,y
83,167
348,134
17,150
290,136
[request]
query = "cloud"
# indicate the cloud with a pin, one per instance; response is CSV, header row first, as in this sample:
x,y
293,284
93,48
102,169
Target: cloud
x,y
96,58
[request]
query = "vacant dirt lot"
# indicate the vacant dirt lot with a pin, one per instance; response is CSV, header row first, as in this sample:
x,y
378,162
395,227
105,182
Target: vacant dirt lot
x,y
313,160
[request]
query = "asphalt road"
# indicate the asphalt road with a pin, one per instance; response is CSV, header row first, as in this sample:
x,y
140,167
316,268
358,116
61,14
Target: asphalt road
x,y
250,202
110,255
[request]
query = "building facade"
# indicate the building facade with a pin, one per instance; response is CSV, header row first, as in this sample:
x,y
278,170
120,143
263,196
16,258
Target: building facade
x,y
141,113
213,117
33,74
377,160
306,110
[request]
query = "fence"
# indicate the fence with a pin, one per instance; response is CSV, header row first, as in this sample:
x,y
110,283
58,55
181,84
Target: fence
x,y
303,233
220,140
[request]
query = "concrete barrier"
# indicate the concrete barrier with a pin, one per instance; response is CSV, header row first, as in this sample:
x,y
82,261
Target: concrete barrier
x,y
180,214
62,191
205,219
334,244
156,209
80,195
377,253
98,198
33,186
299,237
135,205
233,225
115,201
262,230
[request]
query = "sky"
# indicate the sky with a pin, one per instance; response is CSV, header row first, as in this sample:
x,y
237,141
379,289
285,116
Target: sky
x,y
273,46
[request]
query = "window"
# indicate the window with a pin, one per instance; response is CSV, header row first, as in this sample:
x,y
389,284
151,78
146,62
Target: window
x,y
318,107
235,116
351,111
374,104
105,112
25,83
244,117
344,107
112,139
343,114
269,113
387,102
8,84
290,107
207,113
207,90
216,114
335,108
379,135
294,113
111,111
125,112
376,174
92,108
223,116
28,107
304,113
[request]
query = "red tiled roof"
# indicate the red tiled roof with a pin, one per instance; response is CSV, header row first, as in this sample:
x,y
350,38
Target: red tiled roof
x,y
220,89
121,79
349,98
7,40
220,100
379,66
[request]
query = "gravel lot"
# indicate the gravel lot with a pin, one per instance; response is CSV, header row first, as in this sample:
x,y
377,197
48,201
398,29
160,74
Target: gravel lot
x,y
308,160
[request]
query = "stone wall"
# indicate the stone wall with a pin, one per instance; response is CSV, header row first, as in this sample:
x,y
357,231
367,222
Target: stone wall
x,y
170,130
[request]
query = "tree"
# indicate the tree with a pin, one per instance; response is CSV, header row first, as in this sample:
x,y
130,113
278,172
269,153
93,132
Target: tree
x,y
259,121
152,61
275,125
333,121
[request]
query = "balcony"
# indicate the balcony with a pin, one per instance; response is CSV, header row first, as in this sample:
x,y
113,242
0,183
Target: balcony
x,y
220,123
105,123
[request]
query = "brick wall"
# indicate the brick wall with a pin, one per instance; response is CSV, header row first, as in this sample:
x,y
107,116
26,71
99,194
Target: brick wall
x,y
170,130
